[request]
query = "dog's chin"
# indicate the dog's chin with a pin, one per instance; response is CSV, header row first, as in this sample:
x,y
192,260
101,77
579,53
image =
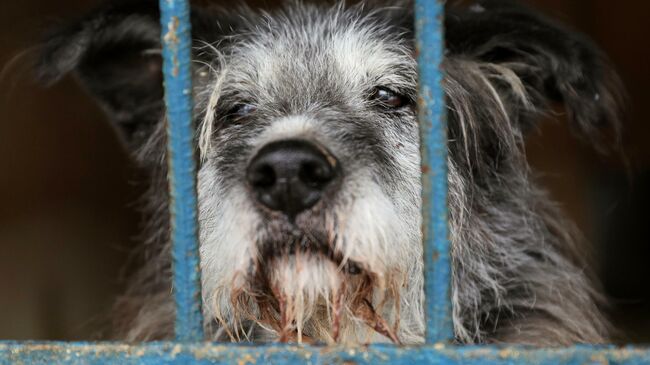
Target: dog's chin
x,y
306,288
311,294
305,275
319,300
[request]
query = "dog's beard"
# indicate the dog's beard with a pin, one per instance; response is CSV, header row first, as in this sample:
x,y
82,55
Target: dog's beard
x,y
305,289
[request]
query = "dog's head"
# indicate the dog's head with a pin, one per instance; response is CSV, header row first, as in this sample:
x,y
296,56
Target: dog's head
x,y
309,177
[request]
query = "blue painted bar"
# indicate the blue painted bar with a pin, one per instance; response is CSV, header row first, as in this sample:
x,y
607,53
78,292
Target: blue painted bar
x,y
433,132
204,353
176,39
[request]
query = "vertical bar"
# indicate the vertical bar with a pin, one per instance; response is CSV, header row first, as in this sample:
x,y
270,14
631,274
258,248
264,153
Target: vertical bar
x,y
176,40
433,139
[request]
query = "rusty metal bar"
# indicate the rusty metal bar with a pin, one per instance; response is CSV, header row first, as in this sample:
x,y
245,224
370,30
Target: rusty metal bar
x,y
176,40
205,353
433,132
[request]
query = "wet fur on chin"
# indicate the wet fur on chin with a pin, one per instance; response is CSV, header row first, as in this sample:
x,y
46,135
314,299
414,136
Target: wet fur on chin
x,y
350,269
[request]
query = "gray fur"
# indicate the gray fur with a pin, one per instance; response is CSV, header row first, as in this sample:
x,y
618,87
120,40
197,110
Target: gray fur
x,y
517,273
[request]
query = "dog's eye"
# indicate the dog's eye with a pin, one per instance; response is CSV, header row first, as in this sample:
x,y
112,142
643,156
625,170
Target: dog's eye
x,y
241,110
389,98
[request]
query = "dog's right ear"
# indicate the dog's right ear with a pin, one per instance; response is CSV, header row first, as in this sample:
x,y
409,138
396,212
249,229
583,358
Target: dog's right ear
x,y
551,64
115,54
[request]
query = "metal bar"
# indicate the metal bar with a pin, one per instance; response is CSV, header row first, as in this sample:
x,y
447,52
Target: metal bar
x,y
176,39
205,353
433,140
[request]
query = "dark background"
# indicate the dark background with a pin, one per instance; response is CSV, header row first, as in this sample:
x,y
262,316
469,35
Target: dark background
x,y
67,219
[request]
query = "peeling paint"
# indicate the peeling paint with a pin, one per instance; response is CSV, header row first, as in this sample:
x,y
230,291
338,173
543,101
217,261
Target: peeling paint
x,y
246,359
171,41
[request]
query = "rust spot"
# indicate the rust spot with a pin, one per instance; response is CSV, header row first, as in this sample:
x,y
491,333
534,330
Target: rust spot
x,y
599,359
175,351
435,256
506,353
171,40
246,359
425,169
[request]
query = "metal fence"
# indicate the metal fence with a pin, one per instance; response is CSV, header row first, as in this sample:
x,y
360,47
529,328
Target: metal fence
x,y
189,345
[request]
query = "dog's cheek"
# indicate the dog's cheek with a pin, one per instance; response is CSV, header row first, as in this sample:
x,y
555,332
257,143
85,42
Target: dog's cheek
x,y
227,237
404,189
371,230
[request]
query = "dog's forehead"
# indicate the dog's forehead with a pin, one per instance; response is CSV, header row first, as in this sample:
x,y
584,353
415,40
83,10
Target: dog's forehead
x,y
332,53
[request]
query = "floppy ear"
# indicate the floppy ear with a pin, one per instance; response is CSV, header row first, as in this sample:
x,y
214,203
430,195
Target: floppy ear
x,y
115,54
553,63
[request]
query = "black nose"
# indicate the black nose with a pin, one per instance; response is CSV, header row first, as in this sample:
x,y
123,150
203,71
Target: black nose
x,y
291,175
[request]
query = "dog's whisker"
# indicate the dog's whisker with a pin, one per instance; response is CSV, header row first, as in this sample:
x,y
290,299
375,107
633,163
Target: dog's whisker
x,y
337,305
367,313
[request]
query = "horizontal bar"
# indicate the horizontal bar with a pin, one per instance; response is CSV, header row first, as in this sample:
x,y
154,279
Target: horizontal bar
x,y
176,40
205,353
433,142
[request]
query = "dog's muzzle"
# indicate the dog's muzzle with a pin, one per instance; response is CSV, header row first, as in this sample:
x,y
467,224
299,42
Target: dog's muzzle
x,y
290,176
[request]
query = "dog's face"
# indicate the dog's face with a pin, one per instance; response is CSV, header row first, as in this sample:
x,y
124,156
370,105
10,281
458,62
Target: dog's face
x,y
309,174
309,186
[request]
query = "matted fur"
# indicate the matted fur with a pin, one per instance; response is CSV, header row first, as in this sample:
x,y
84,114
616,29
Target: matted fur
x,y
350,269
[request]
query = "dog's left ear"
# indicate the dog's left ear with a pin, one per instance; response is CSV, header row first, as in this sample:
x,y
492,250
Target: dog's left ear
x,y
553,63
115,53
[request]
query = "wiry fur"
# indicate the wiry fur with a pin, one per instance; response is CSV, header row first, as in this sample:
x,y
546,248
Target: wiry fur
x,y
350,268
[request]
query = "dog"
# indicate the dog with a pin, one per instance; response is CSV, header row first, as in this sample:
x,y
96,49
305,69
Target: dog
x,y
309,168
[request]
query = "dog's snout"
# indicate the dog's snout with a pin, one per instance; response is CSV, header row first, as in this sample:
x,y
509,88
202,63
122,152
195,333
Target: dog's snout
x,y
291,175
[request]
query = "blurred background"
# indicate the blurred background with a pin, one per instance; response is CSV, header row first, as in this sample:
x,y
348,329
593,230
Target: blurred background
x,y
67,191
